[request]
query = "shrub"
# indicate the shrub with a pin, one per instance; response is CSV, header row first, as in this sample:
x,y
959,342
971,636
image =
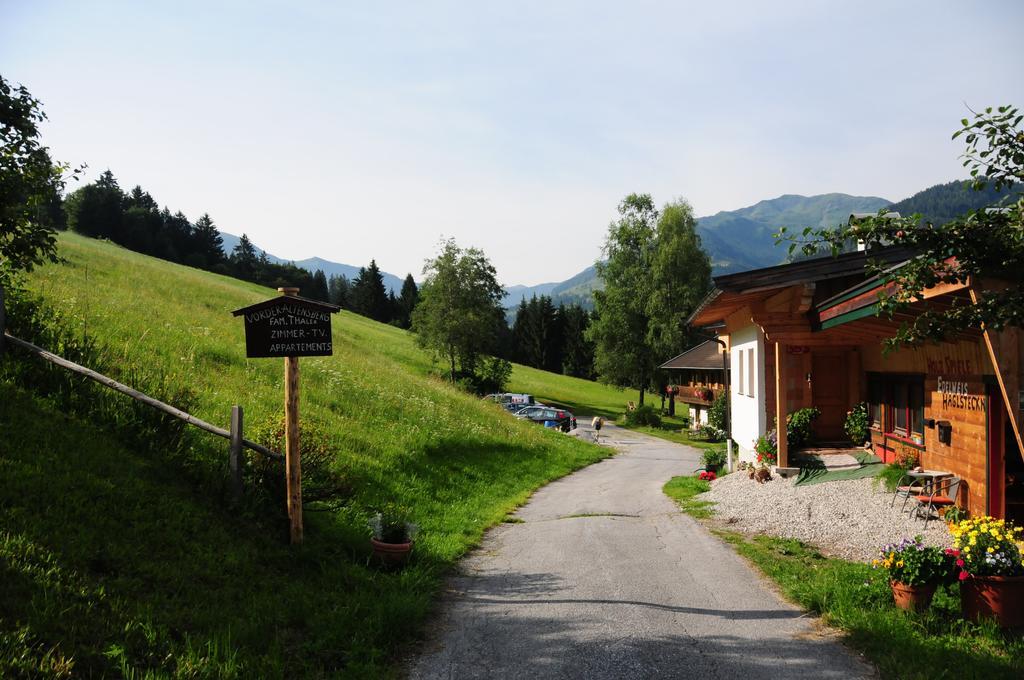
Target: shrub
x,y
488,376
643,415
713,458
856,425
891,475
798,426
319,482
716,413
709,433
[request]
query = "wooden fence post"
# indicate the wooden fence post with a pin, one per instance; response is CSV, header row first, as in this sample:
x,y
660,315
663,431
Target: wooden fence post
x,y
235,459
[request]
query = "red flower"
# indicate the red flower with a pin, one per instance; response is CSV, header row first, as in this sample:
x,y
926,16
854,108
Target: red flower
x,y
964,576
959,563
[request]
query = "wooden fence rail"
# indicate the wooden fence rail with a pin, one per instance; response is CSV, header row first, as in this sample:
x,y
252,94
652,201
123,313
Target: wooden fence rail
x,y
234,435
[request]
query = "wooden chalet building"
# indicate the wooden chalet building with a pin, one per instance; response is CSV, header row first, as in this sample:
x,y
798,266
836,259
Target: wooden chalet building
x,y
699,378
807,334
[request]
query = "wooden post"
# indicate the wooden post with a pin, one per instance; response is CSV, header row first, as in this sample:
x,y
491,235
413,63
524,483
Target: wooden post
x,y
292,459
780,404
235,460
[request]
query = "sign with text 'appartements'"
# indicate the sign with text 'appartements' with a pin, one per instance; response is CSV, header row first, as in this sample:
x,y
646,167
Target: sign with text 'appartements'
x,y
288,326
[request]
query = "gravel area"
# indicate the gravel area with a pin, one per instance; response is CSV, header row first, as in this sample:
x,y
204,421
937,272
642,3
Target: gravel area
x,y
849,519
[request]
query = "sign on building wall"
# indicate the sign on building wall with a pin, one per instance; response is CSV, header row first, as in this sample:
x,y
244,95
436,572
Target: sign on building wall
x,y
957,387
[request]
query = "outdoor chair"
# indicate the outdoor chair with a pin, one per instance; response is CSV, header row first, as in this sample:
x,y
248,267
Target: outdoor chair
x,y
942,496
908,487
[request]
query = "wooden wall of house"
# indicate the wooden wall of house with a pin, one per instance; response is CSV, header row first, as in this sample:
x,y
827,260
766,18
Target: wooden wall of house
x,y
959,398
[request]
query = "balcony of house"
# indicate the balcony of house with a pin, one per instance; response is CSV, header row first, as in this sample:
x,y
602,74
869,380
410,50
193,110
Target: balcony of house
x,y
699,394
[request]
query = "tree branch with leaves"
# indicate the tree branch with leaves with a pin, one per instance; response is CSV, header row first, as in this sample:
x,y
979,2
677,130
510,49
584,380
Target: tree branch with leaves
x,y
30,185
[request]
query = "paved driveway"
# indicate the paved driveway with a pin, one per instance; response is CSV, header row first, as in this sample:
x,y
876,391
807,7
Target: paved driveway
x,y
604,578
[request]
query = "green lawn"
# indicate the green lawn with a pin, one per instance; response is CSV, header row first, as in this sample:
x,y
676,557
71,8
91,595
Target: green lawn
x,y
683,490
856,599
159,574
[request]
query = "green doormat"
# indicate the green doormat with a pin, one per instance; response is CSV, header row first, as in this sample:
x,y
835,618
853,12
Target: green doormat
x,y
814,471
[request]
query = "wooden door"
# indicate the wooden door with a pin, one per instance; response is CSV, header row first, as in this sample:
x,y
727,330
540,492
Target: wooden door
x,y
830,394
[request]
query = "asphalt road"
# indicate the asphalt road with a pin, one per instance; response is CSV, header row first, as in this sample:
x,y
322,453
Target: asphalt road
x,y
604,578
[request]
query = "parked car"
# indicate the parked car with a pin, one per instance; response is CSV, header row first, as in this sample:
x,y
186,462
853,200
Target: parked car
x,y
512,402
539,413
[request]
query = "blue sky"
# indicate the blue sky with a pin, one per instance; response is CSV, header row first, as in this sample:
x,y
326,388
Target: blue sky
x,y
370,130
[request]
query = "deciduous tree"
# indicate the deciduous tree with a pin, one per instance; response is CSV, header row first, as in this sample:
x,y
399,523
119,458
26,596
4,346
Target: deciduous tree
x,y
622,354
30,184
680,276
460,307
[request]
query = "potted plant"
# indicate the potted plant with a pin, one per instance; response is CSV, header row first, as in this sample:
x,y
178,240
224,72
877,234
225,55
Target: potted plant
x,y
915,571
766,448
393,535
713,459
856,424
991,570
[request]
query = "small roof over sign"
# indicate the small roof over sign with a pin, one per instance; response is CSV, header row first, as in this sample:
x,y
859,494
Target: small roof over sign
x,y
290,299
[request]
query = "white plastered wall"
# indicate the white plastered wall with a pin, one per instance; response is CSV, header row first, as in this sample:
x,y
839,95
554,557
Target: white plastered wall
x,y
748,403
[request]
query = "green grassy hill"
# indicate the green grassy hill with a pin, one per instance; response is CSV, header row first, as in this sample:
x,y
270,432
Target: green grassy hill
x,y
118,561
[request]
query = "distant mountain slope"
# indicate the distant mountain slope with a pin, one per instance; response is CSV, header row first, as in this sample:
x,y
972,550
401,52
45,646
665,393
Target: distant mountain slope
x,y
744,239
736,240
577,289
944,202
329,268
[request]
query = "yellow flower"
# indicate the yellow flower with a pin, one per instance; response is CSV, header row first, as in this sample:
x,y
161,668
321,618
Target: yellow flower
x,y
967,548
900,563
991,550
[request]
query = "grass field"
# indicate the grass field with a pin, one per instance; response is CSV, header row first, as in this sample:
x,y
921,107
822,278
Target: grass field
x,y
161,576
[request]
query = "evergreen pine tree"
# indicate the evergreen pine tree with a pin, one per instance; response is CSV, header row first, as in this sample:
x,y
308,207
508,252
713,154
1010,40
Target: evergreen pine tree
x,y
369,297
207,245
407,301
339,291
244,259
319,290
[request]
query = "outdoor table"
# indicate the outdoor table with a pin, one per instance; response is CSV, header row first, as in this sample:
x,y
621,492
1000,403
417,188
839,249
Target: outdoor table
x,y
930,477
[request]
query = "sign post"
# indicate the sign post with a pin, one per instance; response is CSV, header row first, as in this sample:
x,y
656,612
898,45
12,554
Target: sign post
x,y
289,326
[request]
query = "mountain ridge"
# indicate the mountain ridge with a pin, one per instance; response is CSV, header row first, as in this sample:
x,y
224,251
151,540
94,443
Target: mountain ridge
x,y
736,240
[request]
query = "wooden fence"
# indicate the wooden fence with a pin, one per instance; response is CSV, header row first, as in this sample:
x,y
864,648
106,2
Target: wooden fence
x,y
234,435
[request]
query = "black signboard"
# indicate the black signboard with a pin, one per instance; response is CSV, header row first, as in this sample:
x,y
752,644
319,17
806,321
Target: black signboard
x,y
288,326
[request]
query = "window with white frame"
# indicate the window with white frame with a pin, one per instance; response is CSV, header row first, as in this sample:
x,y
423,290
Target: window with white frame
x,y
740,373
750,373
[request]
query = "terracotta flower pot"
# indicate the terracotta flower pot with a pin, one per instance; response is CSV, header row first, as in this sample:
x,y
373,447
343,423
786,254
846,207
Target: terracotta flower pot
x,y
391,554
998,597
913,598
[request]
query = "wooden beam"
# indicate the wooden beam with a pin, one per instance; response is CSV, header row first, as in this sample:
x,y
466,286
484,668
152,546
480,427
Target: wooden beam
x,y
1012,413
780,404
